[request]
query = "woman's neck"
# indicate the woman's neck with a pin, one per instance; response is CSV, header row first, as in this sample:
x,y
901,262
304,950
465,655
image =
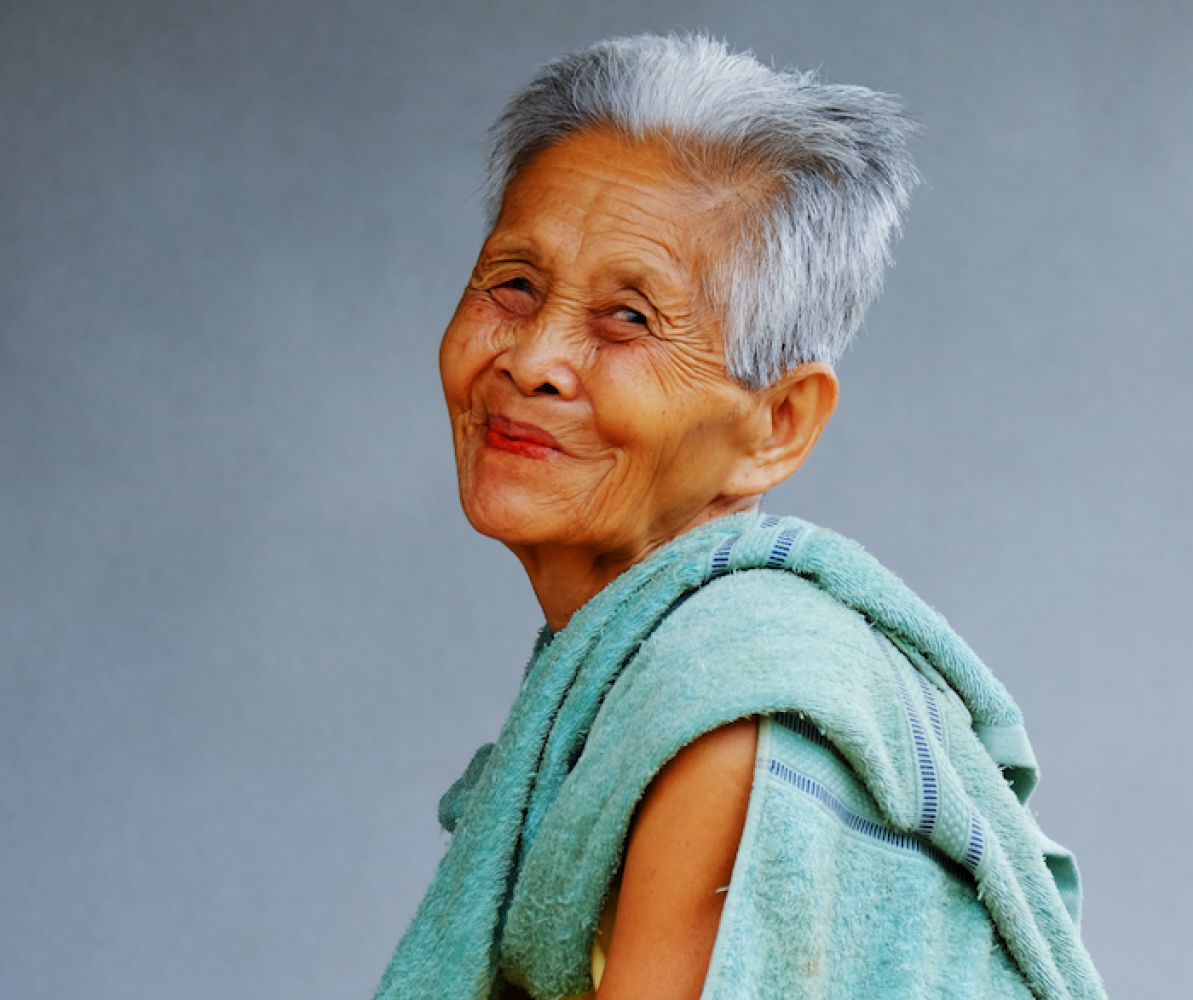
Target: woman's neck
x,y
566,577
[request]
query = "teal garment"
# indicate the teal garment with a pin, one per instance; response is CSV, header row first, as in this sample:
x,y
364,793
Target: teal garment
x,y
881,812
879,913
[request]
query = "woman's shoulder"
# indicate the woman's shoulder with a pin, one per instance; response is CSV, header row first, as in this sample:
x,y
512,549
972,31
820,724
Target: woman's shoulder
x,y
763,611
753,643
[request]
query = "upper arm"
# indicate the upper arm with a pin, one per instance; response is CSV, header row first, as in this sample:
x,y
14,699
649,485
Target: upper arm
x,y
679,861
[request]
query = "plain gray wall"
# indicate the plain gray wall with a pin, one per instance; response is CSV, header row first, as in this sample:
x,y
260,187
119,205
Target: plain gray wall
x,y
246,637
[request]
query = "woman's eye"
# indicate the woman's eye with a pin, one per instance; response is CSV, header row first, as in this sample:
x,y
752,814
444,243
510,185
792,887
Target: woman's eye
x,y
515,296
623,325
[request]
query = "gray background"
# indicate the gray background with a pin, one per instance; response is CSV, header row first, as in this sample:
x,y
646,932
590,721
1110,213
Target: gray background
x,y
246,637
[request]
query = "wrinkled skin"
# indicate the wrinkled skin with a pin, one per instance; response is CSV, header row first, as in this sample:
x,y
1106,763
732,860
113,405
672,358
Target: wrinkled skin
x,y
584,372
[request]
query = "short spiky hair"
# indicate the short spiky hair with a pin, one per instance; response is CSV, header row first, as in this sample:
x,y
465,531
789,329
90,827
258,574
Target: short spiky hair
x,y
825,170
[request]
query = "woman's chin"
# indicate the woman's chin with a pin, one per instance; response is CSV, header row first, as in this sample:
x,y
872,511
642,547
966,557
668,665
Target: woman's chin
x,y
514,521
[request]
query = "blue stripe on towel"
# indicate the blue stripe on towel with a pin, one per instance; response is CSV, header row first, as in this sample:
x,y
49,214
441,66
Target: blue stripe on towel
x,y
933,708
977,843
859,824
782,548
929,790
720,558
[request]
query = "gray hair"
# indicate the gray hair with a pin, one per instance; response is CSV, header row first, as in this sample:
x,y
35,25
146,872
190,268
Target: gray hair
x,y
824,169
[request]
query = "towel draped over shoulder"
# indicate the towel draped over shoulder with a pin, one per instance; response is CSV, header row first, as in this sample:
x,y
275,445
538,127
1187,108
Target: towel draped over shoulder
x,y
875,713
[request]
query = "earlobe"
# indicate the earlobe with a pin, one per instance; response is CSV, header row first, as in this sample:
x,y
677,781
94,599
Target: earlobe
x,y
792,413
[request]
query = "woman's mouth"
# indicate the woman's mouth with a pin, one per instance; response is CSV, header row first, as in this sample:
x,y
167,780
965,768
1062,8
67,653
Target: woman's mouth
x,y
519,439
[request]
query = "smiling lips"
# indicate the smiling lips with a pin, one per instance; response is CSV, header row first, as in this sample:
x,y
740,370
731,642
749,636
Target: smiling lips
x,y
520,439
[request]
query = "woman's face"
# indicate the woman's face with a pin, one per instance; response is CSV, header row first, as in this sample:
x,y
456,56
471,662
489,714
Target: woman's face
x,y
584,369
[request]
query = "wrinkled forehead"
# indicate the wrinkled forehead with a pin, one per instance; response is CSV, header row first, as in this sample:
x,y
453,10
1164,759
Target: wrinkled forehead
x,y
603,194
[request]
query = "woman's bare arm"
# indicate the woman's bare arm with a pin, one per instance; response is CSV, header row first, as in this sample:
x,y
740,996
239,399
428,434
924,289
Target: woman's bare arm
x,y
681,852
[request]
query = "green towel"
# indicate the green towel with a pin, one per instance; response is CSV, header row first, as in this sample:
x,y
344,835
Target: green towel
x,y
540,818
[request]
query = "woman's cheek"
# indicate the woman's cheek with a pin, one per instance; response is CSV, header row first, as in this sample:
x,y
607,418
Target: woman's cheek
x,y
462,358
626,405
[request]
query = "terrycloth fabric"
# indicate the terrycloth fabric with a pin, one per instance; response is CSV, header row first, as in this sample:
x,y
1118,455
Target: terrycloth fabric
x,y
684,642
827,901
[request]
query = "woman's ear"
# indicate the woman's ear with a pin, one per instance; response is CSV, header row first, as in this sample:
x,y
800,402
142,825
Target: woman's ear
x,y
791,413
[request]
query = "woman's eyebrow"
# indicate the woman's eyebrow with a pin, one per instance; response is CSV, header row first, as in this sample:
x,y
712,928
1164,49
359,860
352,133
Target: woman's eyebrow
x,y
504,241
500,258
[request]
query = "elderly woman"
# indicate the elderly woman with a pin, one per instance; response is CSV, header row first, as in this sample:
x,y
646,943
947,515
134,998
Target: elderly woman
x,y
745,760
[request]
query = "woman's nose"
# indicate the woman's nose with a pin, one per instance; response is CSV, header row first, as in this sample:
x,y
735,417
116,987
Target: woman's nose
x,y
542,357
